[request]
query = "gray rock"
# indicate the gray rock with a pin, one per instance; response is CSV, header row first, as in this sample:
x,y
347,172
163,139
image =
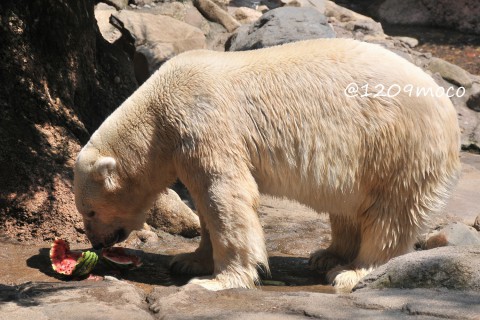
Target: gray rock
x,y
419,303
246,15
262,8
463,15
146,235
450,72
315,4
118,4
157,38
214,13
108,300
411,42
216,35
192,302
366,27
172,215
280,26
350,24
469,121
102,15
473,101
454,234
476,224
342,14
455,268
113,299
141,3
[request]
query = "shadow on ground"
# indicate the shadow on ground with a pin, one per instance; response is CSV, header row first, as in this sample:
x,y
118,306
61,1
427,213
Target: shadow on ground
x,y
285,270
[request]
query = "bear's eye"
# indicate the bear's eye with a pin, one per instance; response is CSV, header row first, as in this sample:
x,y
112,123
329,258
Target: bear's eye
x,y
91,214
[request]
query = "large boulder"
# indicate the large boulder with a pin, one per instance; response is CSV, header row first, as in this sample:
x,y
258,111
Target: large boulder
x,y
279,26
77,300
449,267
350,24
157,38
185,11
172,215
450,72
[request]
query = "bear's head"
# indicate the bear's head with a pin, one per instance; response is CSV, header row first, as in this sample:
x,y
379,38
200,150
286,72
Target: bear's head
x,y
112,205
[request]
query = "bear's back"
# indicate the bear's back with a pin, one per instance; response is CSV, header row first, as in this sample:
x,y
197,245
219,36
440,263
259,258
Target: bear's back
x,y
289,107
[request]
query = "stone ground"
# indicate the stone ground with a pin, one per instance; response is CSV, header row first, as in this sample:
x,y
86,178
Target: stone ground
x,y
29,289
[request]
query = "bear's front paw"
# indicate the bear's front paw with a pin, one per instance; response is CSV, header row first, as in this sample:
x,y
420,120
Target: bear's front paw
x,y
226,280
209,283
344,278
191,263
323,260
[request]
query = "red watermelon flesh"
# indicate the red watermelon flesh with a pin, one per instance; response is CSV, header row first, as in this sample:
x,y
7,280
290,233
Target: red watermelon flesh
x,y
120,258
64,261
71,263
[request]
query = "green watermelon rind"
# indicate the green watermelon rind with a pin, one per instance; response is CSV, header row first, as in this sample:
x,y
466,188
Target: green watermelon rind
x,y
85,264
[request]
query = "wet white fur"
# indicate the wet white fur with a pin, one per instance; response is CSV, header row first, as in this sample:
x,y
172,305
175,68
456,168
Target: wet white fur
x,y
277,121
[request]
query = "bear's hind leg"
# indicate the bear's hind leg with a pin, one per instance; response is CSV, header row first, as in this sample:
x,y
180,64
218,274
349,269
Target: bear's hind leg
x,y
344,246
384,235
199,262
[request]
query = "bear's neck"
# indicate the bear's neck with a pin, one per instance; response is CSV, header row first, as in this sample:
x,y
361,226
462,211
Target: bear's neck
x,y
131,135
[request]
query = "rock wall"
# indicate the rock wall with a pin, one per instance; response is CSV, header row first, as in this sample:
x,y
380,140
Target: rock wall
x,y
463,15
60,79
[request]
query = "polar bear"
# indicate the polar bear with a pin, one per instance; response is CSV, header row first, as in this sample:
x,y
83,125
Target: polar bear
x,y
279,121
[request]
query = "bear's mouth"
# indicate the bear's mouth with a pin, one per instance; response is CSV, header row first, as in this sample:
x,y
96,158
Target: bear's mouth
x,y
115,237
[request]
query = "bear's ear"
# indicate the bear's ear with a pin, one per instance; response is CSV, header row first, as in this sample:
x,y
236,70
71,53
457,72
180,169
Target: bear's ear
x,y
103,171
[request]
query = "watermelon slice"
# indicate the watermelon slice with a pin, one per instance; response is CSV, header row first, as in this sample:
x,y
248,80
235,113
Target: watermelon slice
x,y
71,263
119,258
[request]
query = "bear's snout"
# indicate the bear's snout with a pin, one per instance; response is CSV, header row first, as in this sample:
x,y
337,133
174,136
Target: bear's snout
x,y
99,236
113,238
